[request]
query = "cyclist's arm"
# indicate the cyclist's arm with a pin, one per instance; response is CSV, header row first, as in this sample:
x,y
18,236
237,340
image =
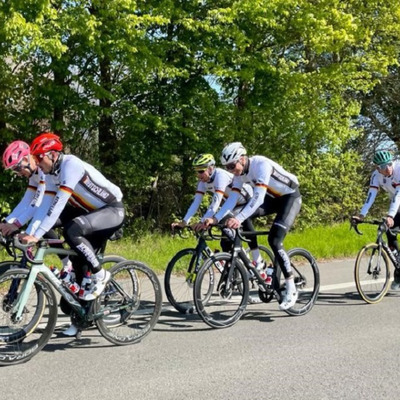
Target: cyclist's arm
x,y
254,204
71,173
229,205
40,213
395,203
214,205
201,190
23,212
371,196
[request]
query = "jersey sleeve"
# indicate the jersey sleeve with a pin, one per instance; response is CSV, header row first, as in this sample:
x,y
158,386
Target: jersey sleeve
x,y
71,173
371,196
395,203
23,212
198,197
255,202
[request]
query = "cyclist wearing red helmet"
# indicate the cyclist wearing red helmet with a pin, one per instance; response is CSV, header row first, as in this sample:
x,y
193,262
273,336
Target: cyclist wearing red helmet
x,y
94,213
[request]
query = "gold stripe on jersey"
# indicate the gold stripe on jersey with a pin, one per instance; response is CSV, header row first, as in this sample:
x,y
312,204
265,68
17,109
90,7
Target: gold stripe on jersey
x,y
274,193
83,203
221,192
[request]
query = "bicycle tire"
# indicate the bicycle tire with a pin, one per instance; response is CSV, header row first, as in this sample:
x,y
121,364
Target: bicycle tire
x,y
131,301
306,278
179,280
372,278
20,341
224,308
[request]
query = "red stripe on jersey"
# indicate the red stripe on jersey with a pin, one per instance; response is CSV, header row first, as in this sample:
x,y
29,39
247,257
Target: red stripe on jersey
x,y
66,189
220,191
198,192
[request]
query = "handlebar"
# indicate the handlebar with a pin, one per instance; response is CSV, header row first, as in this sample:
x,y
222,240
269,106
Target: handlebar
x,y
190,231
7,243
381,223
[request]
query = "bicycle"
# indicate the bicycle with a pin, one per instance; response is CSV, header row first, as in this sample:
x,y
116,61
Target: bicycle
x,y
229,300
183,268
372,266
124,313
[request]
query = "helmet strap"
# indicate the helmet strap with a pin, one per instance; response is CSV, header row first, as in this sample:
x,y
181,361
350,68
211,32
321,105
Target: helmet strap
x,y
56,164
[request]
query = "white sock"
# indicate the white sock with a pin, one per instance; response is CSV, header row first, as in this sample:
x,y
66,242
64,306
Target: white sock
x,y
290,286
66,263
255,255
100,275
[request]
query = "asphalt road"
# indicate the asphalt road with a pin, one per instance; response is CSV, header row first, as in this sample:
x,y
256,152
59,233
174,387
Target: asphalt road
x,y
342,349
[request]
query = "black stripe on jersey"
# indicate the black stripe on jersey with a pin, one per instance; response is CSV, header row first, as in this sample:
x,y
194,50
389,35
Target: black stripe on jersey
x,y
97,191
283,179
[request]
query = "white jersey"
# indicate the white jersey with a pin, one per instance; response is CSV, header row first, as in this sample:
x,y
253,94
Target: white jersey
x,y
267,178
82,186
220,184
39,192
390,184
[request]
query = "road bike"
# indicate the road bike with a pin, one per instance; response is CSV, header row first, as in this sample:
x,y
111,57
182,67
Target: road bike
x,y
125,312
229,299
183,268
372,266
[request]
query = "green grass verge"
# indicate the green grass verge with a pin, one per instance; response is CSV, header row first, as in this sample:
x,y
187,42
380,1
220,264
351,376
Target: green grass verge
x,y
335,241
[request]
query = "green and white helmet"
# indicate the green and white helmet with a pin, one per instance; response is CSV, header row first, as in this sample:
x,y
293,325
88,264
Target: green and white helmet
x,y
203,161
383,157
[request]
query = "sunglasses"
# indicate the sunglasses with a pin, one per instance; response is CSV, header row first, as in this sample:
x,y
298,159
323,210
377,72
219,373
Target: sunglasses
x,y
231,166
384,166
18,167
200,171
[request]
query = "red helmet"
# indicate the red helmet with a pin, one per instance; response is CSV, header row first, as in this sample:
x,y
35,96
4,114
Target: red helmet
x,y
46,142
14,153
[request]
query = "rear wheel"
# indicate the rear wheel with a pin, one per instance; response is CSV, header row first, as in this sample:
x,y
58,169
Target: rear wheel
x,y
131,303
23,339
228,300
372,273
306,278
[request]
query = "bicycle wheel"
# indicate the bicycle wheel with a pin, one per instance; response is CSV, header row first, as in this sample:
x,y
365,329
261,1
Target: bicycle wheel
x,y
7,265
372,273
131,303
21,340
228,300
306,279
179,280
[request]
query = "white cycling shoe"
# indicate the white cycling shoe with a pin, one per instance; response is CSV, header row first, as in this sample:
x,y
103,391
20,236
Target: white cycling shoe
x,y
289,300
71,331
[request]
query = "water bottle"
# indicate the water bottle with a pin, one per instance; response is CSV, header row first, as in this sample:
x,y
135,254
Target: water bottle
x,y
85,285
268,279
55,271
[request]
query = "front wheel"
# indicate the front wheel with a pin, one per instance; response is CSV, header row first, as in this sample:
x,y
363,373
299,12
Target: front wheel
x,y
372,273
228,300
306,278
130,305
23,339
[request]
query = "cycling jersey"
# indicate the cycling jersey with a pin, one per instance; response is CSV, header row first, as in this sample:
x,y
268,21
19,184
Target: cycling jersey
x,y
390,184
220,184
82,186
267,178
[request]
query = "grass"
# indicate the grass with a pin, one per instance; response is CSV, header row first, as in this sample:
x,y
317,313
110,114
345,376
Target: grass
x,y
335,241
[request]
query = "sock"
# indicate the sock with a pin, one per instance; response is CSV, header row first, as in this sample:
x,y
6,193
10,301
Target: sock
x,y
255,255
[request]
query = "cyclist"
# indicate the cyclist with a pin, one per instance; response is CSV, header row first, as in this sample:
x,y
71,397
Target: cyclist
x,y
40,192
275,191
219,183
97,210
386,176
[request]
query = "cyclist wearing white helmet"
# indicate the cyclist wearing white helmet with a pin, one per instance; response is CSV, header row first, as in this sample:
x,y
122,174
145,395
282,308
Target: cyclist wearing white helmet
x,y
275,191
218,182
385,176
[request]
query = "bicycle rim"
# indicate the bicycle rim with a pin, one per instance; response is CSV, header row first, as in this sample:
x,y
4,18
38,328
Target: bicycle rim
x,y
227,302
131,303
20,341
307,280
179,280
372,273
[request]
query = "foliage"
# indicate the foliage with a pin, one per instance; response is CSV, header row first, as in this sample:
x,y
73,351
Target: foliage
x,y
140,87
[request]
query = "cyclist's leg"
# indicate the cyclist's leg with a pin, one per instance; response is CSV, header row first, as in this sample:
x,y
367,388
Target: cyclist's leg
x,y
393,244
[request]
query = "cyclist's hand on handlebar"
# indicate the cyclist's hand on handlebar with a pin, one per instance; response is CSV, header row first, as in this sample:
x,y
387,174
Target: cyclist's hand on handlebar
x,y
180,224
25,239
389,221
233,223
199,226
355,219
209,222
8,229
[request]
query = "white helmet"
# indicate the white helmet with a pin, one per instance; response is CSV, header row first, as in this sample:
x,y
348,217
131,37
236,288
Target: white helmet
x,y
232,152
